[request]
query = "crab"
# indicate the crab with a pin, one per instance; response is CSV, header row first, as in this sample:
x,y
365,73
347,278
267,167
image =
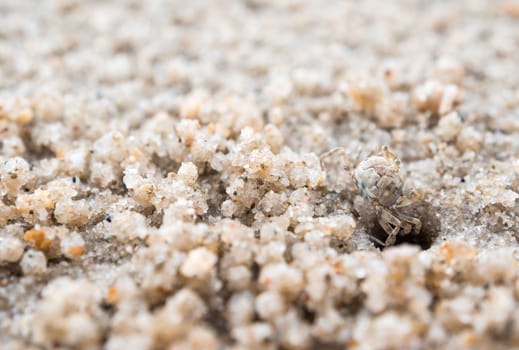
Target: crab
x,y
379,180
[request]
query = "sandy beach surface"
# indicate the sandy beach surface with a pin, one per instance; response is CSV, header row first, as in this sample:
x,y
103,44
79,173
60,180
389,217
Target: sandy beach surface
x,y
161,185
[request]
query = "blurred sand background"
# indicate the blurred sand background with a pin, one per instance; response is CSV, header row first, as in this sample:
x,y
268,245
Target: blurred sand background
x,y
161,186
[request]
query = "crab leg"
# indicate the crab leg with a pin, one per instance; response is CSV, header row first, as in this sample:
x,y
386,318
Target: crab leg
x,y
386,219
331,153
376,240
411,220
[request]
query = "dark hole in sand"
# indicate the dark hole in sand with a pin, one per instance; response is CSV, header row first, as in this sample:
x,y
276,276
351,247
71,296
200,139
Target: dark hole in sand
x,y
425,238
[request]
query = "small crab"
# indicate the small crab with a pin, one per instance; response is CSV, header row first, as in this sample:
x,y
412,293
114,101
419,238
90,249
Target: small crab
x,y
378,179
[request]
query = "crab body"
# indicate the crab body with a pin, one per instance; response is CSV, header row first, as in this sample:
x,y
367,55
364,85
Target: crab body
x,y
379,180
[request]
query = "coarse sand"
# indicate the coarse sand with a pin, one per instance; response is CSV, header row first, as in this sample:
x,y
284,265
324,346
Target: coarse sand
x,y
162,185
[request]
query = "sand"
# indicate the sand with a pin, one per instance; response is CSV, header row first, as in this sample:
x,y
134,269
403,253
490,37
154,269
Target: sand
x,y
162,185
